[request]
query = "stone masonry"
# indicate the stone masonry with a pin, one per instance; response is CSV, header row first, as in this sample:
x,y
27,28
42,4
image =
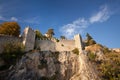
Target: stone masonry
x,y
29,41
28,38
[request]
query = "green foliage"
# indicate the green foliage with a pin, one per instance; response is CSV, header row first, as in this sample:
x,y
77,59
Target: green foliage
x,y
91,56
106,50
10,28
109,68
62,45
76,51
12,52
89,40
57,40
62,37
39,34
88,36
50,32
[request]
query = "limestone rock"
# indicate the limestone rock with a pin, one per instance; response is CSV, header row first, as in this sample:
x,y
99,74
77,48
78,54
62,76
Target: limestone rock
x,y
47,65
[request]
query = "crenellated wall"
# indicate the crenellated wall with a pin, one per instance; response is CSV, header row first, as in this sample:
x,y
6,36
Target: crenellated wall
x,y
28,40
62,45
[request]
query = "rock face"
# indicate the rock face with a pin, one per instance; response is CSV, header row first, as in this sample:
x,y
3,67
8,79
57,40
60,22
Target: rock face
x,y
47,65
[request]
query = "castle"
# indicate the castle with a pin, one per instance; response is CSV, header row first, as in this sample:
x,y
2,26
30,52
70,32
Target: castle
x,y
29,41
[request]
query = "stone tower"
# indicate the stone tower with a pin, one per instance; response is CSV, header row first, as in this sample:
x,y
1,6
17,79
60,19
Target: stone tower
x,y
28,38
78,42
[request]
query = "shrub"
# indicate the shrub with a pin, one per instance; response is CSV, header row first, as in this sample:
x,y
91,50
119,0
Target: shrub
x,y
106,50
57,40
62,45
91,56
12,52
76,51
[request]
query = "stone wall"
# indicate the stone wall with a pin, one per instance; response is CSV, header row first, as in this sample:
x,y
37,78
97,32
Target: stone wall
x,y
61,45
78,42
45,45
28,39
65,45
4,39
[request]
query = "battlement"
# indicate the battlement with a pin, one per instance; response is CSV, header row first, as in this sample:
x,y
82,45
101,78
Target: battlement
x,y
29,41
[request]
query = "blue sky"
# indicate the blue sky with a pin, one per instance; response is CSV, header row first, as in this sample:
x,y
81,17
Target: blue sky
x,y
99,18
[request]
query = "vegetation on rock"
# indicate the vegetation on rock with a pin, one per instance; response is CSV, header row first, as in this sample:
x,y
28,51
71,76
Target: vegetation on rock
x,y
12,52
50,33
38,34
76,51
109,66
89,40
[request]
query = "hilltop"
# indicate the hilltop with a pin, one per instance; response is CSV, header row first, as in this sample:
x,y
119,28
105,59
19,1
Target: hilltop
x,y
38,57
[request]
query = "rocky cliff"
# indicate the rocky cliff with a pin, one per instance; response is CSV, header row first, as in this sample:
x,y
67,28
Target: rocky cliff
x,y
47,65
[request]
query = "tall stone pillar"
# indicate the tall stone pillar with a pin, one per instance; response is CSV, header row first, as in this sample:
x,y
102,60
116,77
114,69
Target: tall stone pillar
x,y
28,39
78,42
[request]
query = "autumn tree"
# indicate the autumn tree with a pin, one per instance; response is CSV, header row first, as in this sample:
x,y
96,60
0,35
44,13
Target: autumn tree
x,y
10,28
50,33
38,34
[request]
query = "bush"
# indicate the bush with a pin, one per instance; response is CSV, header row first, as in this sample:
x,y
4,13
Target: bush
x,y
57,40
12,52
91,56
76,51
62,45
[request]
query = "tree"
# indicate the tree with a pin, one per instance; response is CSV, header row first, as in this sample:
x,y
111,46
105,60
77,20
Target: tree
x,y
10,28
50,33
88,36
89,40
62,37
38,34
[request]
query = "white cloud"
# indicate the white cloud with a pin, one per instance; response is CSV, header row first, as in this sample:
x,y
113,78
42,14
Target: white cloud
x,y
33,20
101,16
79,25
14,19
75,27
8,19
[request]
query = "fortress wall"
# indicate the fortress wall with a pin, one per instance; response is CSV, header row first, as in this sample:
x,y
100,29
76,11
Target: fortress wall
x,y
4,39
45,45
28,39
65,45
78,42
62,45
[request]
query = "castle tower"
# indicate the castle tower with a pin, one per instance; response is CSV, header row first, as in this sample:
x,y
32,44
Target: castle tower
x,y
28,38
78,42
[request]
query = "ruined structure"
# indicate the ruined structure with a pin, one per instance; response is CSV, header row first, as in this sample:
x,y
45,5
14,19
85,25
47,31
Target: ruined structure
x,y
28,40
5,39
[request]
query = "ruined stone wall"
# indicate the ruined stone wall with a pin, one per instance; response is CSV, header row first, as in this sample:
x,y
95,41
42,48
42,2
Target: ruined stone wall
x,y
45,45
65,45
4,39
28,39
62,45
78,42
